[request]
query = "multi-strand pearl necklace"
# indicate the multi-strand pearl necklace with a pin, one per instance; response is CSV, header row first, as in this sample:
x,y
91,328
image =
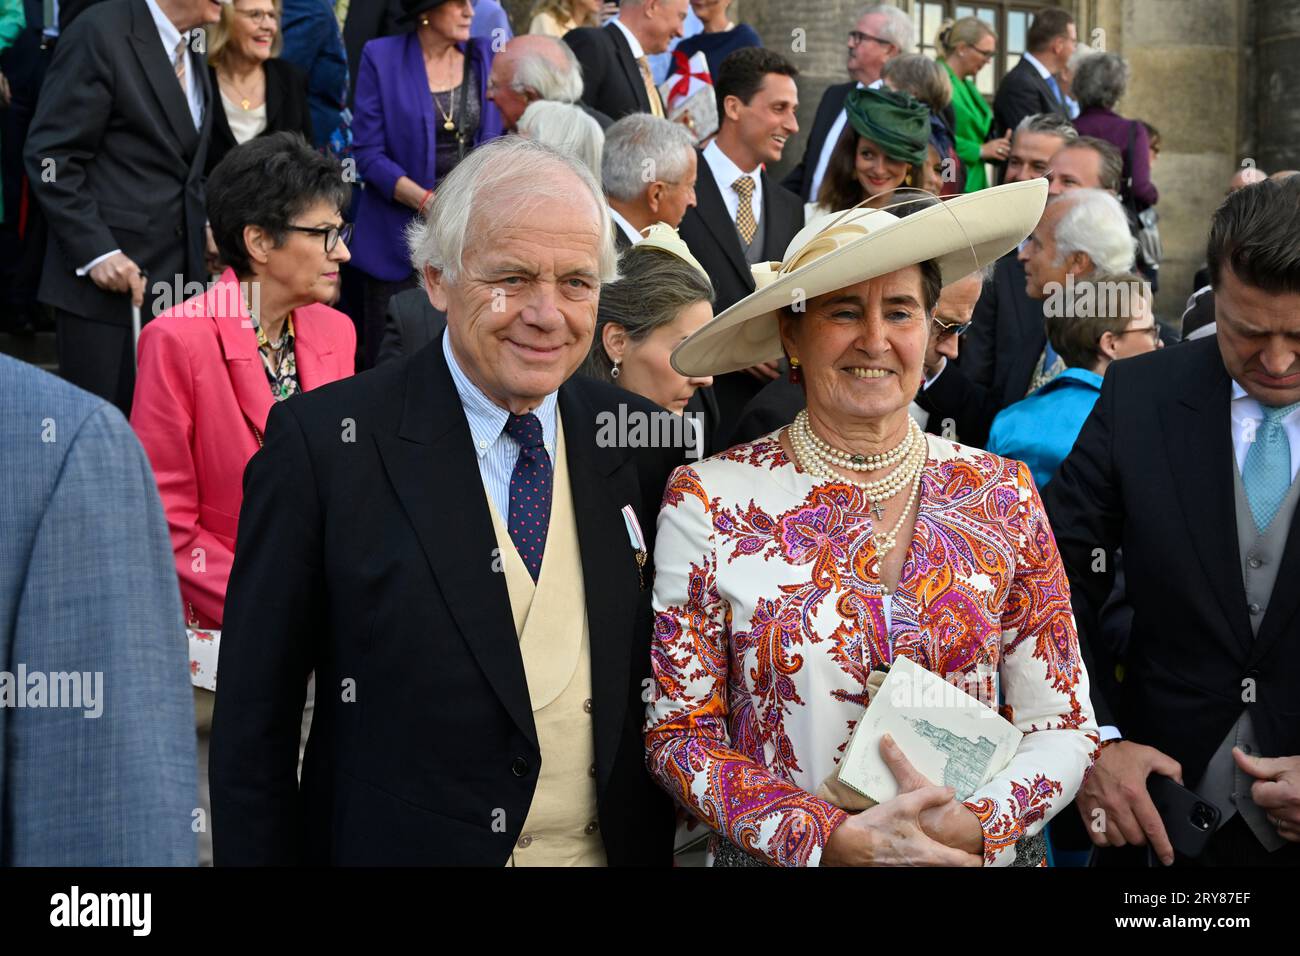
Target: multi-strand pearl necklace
x,y
820,459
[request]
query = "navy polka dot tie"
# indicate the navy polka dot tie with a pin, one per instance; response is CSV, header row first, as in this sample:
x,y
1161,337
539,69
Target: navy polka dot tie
x,y
530,491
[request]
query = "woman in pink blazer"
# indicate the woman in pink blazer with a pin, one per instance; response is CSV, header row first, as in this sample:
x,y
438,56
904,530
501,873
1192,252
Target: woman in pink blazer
x,y
211,368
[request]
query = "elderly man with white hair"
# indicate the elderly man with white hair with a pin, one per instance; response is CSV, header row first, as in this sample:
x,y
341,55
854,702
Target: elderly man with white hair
x,y
1082,231
881,32
534,68
648,170
447,544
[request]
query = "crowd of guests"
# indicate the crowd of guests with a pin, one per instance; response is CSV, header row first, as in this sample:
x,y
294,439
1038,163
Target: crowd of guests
x,y
923,407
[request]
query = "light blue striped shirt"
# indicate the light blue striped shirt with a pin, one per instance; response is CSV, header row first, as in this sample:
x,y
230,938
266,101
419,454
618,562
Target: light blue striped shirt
x,y
497,452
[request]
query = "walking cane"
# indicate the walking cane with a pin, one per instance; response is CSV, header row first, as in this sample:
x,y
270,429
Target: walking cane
x,y
135,326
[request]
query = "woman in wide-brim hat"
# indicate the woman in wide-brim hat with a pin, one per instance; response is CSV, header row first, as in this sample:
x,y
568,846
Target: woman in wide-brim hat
x,y
790,568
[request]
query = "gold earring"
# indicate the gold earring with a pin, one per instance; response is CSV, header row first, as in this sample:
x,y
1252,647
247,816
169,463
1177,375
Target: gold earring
x,y
796,376
907,180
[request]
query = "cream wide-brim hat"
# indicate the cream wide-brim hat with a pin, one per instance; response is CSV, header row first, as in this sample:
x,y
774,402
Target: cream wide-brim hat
x,y
841,249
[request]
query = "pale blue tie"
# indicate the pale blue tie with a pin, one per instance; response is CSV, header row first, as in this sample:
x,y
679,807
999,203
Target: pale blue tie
x,y
1267,472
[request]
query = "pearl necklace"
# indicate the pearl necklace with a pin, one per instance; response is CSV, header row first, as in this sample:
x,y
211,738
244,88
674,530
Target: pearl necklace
x,y
813,460
850,461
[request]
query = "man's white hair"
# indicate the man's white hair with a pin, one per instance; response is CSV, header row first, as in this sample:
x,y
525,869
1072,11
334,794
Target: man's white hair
x,y
1095,224
566,128
537,73
640,149
898,25
504,176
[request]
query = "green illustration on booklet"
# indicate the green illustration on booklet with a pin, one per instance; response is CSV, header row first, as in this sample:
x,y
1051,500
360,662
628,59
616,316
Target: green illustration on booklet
x,y
953,738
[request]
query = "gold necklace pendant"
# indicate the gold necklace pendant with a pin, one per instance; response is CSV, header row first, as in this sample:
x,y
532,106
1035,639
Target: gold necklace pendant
x,y
448,124
246,103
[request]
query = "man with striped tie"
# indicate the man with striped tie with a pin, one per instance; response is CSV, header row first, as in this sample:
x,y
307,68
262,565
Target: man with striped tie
x,y
465,566
616,75
743,216
1189,462
115,156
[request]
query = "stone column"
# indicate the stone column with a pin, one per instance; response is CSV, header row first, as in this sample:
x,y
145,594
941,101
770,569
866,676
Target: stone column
x,y
1190,78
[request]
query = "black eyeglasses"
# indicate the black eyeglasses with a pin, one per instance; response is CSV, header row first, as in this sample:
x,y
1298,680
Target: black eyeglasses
x,y
986,54
1151,330
332,234
857,36
946,329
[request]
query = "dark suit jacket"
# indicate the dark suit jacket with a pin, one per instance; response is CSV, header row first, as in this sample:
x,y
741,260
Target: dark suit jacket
x,y
127,161
1022,92
611,79
1152,472
711,234
799,180
410,323
998,356
367,20
286,108
69,10
371,562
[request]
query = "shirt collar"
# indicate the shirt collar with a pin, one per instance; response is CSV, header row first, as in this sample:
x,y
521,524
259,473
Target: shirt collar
x,y
487,419
1043,71
166,29
726,172
1082,375
637,50
629,230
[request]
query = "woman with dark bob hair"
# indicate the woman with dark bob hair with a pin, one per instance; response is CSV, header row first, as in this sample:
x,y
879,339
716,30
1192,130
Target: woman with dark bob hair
x,y
211,368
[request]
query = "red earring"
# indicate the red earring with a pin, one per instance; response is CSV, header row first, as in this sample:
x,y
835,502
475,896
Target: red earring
x,y
796,376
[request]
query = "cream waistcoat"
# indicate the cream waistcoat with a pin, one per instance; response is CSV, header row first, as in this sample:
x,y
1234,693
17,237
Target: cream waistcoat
x,y
551,621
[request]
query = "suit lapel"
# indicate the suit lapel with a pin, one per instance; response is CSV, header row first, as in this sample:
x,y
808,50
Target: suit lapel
x,y
224,303
162,78
314,356
630,67
608,570
431,463
713,211
780,224
1198,440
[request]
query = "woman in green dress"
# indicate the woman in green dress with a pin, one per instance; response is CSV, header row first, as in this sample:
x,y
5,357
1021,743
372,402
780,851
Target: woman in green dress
x,y
966,46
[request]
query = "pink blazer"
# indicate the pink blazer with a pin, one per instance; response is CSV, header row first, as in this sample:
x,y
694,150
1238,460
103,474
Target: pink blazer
x,y
200,408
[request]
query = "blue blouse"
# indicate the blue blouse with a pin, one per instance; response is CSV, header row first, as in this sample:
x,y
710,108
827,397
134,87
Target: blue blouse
x,y
1041,429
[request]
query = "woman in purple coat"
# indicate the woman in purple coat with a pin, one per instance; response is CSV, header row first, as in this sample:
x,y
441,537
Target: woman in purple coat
x,y
421,105
1099,83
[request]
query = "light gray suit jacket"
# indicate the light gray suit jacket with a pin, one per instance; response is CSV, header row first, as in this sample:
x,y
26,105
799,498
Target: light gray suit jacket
x,y
87,586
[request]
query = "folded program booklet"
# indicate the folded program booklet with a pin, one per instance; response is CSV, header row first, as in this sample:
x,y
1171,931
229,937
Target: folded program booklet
x,y
955,739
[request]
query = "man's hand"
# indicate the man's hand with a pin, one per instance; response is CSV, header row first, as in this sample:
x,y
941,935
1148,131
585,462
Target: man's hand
x,y
118,273
765,371
1117,787
1276,789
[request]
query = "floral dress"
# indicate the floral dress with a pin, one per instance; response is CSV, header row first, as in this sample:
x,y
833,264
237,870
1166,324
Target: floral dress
x,y
770,616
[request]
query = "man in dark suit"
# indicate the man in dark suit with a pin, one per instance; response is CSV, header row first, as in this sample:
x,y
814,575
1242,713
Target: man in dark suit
x,y
882,32
1031,85
616,75
1006,337
533,67
742,216
648,168
115,156
1188,462
469,568
410,323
